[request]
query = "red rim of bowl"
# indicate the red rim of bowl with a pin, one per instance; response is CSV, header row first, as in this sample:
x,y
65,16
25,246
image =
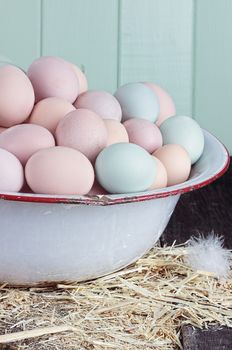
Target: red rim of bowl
x,y
104,200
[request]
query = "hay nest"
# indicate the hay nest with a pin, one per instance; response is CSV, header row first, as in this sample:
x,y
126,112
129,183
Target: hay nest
x,y
140,307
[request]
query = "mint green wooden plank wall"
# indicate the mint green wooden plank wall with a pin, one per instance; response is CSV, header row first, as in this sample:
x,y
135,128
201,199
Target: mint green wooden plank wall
x,y
183,45
212,96
85,32
20,30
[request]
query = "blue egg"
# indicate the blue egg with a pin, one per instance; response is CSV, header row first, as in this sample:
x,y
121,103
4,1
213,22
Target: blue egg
x,y
125,168
137,101
186,132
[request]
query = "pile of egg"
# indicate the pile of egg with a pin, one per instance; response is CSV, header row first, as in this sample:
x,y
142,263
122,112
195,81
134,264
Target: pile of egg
x,y
58,137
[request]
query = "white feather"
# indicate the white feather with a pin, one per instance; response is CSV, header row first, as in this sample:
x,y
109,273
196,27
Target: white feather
x,y
208,254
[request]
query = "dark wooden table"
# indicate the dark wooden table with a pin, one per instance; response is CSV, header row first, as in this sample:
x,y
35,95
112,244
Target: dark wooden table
x,y
203,211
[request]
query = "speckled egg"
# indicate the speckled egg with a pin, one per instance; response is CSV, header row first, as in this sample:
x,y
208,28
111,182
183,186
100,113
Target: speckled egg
x,y
16,96
176,161
116,132
25,139
11,172
125,168
59,170
49,111
184,131
144,133
100,102
166,103
83,130
53,77
137,101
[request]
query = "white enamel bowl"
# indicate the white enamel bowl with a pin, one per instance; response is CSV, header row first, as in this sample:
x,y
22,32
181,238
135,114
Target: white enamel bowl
x,y
50,239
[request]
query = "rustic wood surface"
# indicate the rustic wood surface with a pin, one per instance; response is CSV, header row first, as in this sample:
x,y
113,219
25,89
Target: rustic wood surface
x,y
202,211
213,339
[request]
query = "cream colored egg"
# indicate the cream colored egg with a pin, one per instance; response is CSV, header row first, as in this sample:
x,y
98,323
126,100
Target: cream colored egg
x,y
59,170
49,111
176,161
11,172
116,132
25,139
161,178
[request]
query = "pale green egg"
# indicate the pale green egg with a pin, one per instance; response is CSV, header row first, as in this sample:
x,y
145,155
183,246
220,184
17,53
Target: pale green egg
x,y
125,168
137,101
186,132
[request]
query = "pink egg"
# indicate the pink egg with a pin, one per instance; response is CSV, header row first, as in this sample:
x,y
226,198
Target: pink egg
x,y
16,96
176,161
167,105
144,133
100,102
53,77
161,178
25,139
83,130
116,132
59,170
48,112
11,172
97,189
83,84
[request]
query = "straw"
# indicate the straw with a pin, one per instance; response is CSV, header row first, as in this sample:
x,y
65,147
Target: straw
x,y
141,307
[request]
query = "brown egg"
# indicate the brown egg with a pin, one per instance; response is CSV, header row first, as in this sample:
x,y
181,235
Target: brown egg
x,y
49,111
176,161
59,170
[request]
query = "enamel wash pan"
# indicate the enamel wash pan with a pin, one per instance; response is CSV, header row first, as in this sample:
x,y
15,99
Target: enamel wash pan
x,y
49,239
